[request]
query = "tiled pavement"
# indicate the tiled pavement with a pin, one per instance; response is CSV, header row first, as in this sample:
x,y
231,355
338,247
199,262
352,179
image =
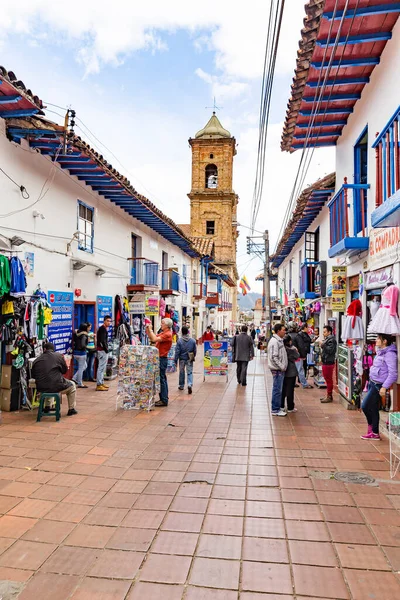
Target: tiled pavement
x,y
209,499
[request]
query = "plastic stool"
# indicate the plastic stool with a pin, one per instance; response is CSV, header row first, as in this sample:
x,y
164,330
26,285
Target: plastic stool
x,y
57,412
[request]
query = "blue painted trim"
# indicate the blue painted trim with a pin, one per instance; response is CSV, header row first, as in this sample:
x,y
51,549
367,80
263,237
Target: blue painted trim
x,y
384,174
357,225
303,136
360,137
391,160
332,97
386,127
363,11
345,245
365,61
12,99
318,124
66,159
388,213
317,145
328,111
77,167
339,81
23,112
365,38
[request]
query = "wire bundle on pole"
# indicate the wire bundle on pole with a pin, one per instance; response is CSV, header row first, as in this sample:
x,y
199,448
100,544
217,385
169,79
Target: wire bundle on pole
x,y
273,34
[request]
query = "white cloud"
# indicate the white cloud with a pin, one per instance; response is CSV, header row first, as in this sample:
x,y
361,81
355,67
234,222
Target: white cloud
x,y
222,87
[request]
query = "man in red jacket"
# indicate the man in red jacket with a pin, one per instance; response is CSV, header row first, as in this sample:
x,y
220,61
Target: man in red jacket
x,y
208,335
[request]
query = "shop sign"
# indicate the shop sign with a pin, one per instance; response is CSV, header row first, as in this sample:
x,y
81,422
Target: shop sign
x,y
339,289
378,279
60,328
383,247
136,306
151,305
104,307
216,358
320,279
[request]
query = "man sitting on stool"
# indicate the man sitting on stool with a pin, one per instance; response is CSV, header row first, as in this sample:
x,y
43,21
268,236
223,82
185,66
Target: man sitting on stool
x,y
48,370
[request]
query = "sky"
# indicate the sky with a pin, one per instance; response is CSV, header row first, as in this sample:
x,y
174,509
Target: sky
x,y
142,78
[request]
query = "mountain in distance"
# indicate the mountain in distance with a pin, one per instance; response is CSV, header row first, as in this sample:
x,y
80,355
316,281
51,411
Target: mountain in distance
x,y
248,302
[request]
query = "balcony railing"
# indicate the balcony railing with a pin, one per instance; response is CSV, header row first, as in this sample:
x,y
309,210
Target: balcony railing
x,y
213,299
144,273
199,291
172,283
307,279
348,214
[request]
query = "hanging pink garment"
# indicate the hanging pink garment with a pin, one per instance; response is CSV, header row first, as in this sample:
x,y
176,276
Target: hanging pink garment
x,y
386,319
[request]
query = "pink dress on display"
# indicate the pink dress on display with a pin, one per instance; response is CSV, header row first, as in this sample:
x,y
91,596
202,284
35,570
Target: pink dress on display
x,y
386,319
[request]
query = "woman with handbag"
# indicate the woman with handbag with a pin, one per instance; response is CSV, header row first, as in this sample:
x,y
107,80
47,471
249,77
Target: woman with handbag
x,y
185,353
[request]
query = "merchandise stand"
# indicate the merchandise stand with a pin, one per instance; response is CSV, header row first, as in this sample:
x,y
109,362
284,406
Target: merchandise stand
x,y
138,377
394,443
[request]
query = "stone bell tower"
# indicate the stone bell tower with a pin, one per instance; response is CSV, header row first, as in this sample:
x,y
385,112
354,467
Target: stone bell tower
x,y
213,202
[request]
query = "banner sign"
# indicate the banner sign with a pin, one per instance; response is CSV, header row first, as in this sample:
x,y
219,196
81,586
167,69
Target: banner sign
x,y
216,358
383,247
60,328
339,289
151,305
378,279
104,307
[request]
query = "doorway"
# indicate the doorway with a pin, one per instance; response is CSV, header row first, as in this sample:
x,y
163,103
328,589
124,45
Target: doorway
x,y
85,312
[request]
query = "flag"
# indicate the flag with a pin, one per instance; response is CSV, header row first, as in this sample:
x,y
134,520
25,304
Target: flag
x,y
246,283
243,287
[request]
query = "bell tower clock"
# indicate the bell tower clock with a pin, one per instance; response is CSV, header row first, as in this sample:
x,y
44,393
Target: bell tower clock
x,y
213,202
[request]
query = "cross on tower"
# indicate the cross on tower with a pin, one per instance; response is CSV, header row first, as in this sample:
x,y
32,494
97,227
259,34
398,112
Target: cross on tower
x,y
214,107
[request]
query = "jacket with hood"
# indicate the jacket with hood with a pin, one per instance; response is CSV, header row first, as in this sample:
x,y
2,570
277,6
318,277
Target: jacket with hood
x,y
384,368
329,347
303,335
277,356
185,345
242,348
80,342
293,355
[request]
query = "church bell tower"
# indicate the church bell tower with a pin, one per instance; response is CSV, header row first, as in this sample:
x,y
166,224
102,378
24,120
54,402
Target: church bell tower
x,y
213,202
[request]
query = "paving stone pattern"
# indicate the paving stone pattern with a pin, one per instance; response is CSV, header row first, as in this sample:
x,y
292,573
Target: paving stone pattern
x,y
208,499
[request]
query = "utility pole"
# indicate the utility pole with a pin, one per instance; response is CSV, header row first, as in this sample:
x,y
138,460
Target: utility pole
x,y
267,287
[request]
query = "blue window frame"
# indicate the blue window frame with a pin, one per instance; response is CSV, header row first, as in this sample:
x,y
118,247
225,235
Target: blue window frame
x,y
85,227
360,177
387,149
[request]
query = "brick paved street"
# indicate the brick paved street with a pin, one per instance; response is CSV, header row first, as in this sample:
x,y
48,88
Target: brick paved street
x,y
196,501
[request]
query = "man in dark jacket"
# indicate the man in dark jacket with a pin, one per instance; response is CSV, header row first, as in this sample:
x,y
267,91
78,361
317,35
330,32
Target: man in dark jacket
x,y
102,353
299,344
243,352
48,370
185,353
328,357
303,335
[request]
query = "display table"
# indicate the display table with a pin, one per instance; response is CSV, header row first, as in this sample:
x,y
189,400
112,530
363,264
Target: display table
x,y
138,377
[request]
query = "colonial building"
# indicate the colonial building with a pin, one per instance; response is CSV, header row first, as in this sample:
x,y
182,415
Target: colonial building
x,y
213,216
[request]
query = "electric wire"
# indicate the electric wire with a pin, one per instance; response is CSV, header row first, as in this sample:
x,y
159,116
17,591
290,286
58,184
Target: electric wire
x,y
22,188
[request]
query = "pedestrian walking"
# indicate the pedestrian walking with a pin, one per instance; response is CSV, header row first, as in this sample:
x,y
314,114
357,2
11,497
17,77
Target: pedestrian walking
x,y
91,355
253,334
185,354
299,344
80,340
102,353
382,375
303,335
242,354
208,335
328,358
163,342
277,363
290,375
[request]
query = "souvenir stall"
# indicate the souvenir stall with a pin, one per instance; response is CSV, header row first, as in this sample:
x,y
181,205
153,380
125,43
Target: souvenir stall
x,y
350,353
24,324
138,377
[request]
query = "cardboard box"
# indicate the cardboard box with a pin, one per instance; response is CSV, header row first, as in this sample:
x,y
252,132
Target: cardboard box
x,y
5,382
5,400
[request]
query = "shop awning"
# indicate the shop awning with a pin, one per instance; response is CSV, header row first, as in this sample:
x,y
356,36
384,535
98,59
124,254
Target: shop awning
x,y
80,160
338,52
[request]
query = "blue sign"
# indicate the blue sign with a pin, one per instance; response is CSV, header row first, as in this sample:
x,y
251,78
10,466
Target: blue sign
x,y
104,307
60,328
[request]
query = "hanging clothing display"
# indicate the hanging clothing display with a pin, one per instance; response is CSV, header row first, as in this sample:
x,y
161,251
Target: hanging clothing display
x,y
138,377
18,279
386,319
5,275
353,328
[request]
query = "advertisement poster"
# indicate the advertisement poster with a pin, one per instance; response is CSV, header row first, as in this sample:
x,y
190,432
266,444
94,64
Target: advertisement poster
x,y
151,307
104,307
28,262
137,305
216,358
339,289
60,329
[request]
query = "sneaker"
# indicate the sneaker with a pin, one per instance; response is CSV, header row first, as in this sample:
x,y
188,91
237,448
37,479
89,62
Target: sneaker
x,y
307,387
326,400
281,413
106,386
71,412
180,388
83,386
160,403
189,389
293,410
371,436
101,388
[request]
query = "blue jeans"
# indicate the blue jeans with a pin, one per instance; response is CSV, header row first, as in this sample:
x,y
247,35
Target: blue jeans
x,y
371,405
102,357
185,364
278,377
81,363
163,379
300,371
89,373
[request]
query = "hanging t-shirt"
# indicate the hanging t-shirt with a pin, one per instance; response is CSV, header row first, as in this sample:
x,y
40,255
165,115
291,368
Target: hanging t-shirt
x,y
5,275
18,279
